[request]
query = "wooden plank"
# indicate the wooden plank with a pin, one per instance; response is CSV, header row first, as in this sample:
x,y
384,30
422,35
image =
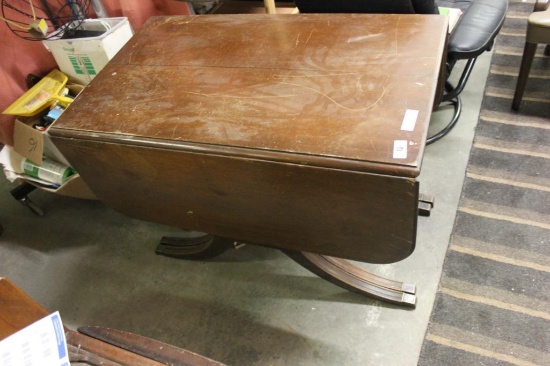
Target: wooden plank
x,y
107,351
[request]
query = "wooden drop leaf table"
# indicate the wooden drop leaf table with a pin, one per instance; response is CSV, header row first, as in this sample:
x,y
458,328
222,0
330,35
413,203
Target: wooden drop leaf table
x,y
300,132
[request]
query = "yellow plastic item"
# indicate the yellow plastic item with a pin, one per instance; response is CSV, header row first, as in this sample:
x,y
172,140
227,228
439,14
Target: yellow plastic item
x,y
41,96
39,26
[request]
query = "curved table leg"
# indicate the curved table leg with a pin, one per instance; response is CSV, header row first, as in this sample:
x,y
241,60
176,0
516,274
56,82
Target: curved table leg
x,y
346,275
201,247
339,271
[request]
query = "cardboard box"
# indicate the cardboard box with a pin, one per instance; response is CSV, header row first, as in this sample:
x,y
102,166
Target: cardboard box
x,y
74,186
81,59
32,143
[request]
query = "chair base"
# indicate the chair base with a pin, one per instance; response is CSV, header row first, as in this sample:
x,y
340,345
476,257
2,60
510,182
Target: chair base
x,y
457,103
453,96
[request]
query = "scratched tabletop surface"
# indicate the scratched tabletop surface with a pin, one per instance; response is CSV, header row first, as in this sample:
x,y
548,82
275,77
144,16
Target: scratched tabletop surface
x,y
356,87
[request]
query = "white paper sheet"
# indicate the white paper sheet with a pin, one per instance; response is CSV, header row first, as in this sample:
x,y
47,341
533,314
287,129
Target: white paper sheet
x,y
42,343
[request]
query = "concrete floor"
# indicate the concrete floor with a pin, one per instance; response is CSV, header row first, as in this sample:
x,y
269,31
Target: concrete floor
x,y
252,306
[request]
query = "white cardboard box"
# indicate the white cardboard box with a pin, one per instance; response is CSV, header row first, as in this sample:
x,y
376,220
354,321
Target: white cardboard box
x,y
82,58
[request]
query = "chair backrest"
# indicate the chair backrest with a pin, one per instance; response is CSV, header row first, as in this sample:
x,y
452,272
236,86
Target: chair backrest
x,y
367,6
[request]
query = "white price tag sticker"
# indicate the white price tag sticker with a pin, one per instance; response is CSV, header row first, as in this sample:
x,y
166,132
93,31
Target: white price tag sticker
x,y
409,120
400,149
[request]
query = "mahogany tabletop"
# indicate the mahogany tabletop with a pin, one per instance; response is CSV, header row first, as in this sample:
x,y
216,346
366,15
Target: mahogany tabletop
x,y
303,132
351,91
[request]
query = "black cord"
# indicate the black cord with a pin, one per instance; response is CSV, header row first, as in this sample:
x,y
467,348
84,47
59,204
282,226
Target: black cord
x,y
60,22
48,11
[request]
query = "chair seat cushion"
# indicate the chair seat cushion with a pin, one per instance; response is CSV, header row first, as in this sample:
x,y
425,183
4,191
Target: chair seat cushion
x,y
538,30
478,26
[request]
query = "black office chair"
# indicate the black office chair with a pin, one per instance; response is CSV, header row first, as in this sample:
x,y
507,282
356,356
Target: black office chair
x,y
473,34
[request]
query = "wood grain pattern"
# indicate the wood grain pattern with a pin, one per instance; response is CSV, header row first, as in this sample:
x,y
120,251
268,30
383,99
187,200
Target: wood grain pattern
x,y
17,309
334,212
277,130
108,351
315,84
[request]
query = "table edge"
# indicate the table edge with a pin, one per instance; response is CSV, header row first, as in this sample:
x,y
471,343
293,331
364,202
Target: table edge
x,y
282,157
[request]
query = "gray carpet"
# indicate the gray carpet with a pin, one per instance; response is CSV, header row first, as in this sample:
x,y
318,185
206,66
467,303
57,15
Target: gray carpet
x,y
493,301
